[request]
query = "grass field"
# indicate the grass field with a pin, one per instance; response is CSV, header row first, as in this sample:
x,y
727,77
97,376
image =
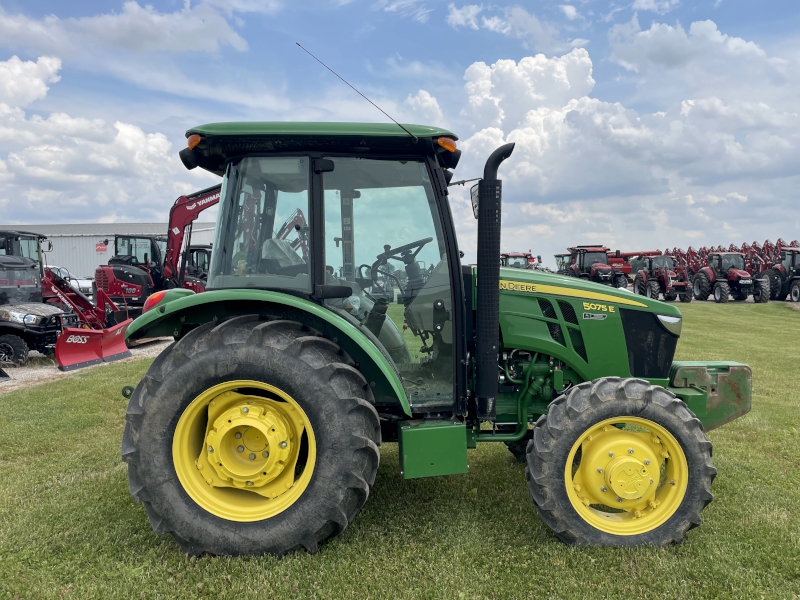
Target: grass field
x,y
68,528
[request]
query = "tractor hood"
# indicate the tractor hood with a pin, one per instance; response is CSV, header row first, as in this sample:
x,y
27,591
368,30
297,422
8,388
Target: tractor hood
x,y
517,280
734,274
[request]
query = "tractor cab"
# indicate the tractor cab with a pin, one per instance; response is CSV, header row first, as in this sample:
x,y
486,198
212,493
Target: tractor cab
x,y
518,260
591,262
728,265
145,252
198,260
380,256
562,263
22,243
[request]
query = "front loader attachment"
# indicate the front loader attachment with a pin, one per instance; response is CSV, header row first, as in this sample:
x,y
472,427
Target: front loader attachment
x,y
77,348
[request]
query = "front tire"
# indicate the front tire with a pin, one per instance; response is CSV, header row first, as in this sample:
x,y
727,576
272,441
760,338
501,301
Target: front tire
x,y
686,297
652,289
722,292
13,350
620,281
701,286
794,291
761,290
619,462
221,394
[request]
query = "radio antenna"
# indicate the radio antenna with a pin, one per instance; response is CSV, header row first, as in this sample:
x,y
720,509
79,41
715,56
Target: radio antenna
x,y
413,137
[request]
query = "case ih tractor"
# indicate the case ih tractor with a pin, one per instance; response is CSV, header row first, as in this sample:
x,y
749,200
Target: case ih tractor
x,y
591,262
725,277
519,260
784,276
657,275
259,430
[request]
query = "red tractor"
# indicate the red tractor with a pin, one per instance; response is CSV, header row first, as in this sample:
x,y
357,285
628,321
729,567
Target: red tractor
x,y
145,264
725,276
591,262
657,275
519,260
784,276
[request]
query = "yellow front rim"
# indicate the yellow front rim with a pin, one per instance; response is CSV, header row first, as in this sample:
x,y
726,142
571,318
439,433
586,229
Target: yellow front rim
x,y
626,475
244,450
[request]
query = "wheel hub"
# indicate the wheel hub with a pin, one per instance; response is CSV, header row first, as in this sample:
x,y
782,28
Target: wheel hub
x,y
627,477
626,480
249,449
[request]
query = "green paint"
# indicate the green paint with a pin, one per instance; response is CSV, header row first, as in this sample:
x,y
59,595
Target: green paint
x,y
725,387
196,309
432,448
289,128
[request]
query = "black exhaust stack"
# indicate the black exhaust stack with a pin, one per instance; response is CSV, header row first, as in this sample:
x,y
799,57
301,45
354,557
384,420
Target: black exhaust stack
x,y
488,307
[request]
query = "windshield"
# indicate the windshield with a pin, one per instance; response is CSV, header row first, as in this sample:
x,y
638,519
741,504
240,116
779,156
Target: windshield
x,y
262,236
663,261
19,285
133,246
591,258
732,261
384,240
562,262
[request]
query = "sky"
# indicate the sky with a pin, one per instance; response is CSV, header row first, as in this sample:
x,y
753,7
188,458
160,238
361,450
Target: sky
x,y
642,125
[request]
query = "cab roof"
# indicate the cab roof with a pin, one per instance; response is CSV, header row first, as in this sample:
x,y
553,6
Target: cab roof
x,y
221,142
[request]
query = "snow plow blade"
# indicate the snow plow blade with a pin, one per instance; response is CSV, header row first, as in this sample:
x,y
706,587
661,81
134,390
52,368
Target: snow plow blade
x,y
77,348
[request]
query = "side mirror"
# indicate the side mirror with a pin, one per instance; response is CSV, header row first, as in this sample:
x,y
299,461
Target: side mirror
x,y
48,247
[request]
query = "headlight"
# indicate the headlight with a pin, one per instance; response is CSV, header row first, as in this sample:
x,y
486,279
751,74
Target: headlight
x,y
671,324
31,319
25,319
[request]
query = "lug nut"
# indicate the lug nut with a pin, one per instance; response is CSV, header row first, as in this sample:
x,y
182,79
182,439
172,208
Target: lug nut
x,y
630,450
253,457
265,454
211,449
284,444
611,454
603,489
240,448
647,461
599,469
238,435
246,410
619,499
249,483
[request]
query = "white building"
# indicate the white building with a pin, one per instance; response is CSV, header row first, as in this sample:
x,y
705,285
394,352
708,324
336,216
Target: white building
x,y
82,247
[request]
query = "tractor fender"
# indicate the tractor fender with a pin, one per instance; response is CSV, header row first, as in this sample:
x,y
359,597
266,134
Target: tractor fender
x,y
709,272
180,311
643,275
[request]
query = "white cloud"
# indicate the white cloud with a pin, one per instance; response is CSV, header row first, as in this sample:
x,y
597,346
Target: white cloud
x,y
579,43
140,29
423,108
569,11
415,9
514,21
465,16
659,6
713,167
22,82
64,168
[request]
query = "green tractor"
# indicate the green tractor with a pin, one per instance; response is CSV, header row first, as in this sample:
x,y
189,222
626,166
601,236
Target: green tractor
x,y
259,430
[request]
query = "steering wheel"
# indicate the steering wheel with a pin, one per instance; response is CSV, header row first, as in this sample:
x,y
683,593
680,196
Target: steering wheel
x,y
402,253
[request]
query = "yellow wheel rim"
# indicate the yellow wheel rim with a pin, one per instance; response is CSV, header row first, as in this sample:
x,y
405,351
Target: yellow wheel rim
x,y
626,475
244,450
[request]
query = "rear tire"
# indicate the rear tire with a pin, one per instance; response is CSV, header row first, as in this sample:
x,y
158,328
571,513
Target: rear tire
x,y
577,514
701,286
722,292
761,290
13,350
341,438
652,289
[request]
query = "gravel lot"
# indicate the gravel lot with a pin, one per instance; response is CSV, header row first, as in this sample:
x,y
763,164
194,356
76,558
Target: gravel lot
x,y
43,368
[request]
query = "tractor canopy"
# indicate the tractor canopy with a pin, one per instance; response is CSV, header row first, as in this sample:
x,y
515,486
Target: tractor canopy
x,y
217,143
